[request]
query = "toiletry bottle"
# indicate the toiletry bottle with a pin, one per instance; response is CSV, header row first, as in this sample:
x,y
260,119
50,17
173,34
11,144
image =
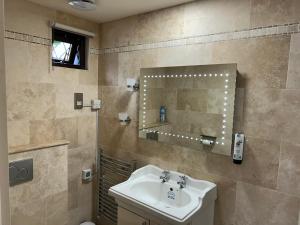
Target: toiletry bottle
x,y
163,114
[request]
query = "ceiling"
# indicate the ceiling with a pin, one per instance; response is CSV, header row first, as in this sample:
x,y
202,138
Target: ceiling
x,y
109,10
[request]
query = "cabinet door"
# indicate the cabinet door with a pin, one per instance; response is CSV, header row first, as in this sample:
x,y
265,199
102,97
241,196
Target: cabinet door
x,y
126,217
153,223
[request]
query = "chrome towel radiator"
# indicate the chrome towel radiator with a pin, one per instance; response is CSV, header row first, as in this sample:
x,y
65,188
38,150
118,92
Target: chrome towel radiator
x,y
112,171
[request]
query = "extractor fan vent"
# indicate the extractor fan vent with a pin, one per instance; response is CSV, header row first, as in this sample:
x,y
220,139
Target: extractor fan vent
x,y
83,4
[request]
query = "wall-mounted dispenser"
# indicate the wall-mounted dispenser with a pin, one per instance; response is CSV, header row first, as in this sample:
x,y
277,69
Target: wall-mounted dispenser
x,y
124,118
238,148
132,84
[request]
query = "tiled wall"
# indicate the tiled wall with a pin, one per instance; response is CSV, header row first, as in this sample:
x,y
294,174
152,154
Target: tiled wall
x,y
4,209
40,97
44,200
262,38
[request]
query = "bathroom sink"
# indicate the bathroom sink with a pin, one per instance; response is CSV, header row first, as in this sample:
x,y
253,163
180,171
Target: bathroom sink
x,y
155,193
147,191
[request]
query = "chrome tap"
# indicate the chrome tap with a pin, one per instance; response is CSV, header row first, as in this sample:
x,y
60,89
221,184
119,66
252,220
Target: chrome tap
x,y
165,176
182,181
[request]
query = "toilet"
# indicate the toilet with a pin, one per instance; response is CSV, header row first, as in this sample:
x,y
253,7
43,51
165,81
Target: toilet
x,y
87,223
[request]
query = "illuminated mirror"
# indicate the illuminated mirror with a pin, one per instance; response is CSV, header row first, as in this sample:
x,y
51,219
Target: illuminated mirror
x,y
192,106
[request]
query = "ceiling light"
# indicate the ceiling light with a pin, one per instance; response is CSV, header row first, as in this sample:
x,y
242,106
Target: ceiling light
x,y
83,4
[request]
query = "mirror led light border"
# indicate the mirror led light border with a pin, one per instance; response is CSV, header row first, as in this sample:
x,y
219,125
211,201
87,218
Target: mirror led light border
x,y
225,103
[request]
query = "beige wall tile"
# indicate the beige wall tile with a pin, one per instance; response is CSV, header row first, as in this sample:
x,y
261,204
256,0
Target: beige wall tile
x,y
270,12
45,131
118,137
151,28
90,76
33,213
118,99
18,133
225,204
28,18
256,205
130,64
293,79
262,63
118,33
80,158
42,131
57,209
207,17
64,100
64,75
260,165
30,101
109,65
67,128
57,170
73,185
87,130
262,113
30,66
290,127
184,55
289,172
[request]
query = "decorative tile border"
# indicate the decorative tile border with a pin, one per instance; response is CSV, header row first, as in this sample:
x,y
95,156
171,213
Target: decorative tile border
x,y
12,35
94,51
27,38
286,29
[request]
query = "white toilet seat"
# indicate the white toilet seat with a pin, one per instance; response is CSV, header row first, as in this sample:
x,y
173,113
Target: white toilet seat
x,y
87,223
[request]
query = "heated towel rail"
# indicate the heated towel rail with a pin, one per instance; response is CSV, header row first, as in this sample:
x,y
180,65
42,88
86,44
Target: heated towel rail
x,y
112,171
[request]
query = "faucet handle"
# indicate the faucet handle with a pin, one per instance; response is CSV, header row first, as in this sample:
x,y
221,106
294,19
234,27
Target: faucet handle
x,y
166,172
183,178
165,176
182,181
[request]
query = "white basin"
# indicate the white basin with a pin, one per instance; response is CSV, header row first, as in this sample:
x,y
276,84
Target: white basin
x,y
145,190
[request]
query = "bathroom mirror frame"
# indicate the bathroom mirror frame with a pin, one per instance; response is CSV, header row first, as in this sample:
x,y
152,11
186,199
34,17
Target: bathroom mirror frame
x,y
216,78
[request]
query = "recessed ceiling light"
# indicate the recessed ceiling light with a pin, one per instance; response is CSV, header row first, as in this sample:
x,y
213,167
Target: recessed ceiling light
x,y
83,4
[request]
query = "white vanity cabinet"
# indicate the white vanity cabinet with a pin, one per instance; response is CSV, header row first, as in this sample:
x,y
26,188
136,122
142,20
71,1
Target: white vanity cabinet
x,y
125,217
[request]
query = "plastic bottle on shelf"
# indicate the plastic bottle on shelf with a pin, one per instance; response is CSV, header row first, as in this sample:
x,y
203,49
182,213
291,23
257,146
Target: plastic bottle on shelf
x,y
163,114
